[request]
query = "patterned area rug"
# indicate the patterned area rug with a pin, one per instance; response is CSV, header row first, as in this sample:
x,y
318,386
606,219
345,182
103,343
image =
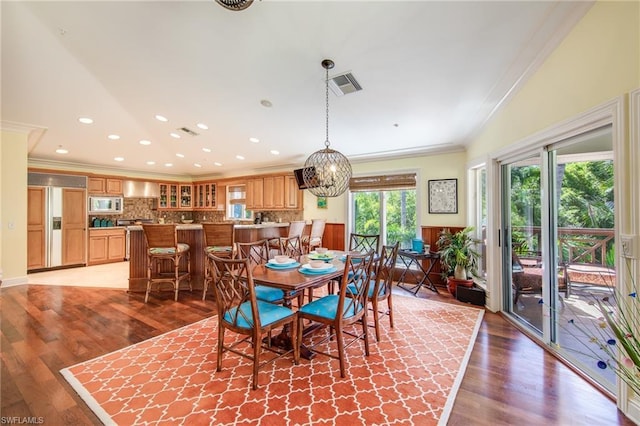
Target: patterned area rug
x,y
411,377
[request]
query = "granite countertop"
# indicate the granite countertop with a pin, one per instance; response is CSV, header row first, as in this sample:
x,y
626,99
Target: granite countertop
x,y
185,226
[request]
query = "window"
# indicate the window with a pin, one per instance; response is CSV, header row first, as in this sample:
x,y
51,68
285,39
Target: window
x,y
385,205
478,216
236,203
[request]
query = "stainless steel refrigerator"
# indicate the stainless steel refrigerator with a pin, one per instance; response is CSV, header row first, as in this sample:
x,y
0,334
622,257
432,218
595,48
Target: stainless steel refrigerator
x,y
53,186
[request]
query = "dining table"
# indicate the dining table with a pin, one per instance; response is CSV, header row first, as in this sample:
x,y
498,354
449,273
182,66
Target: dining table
x,y
294,280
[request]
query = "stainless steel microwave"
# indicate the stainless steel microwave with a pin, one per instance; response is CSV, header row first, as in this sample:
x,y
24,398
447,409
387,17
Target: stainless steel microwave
x,y
105,205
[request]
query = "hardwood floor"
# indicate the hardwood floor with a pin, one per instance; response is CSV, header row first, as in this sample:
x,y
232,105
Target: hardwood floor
x,y
509,379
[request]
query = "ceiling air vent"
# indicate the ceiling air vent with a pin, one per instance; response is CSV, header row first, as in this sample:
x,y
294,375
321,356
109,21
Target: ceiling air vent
x,y
344,84
188,131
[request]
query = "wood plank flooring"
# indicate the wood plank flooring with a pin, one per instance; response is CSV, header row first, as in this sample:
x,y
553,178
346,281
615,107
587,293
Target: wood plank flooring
x,y
510,380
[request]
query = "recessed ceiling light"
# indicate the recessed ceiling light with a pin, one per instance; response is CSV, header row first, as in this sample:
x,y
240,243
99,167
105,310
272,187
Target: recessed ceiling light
x,y
254,140
275,152
197,165
161,118
113,137
119,158
202,126
239,157
180,155
85,120
206,149
61,150
145,142
151,163
266,103
168,164
217,164
174,135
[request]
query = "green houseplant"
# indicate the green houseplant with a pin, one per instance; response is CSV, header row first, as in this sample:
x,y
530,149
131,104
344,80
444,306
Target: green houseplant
x,y
458,257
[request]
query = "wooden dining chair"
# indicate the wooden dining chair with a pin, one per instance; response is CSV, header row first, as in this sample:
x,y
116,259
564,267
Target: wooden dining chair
x,y
219,239
337,312
257,252
292,247
314,239
162,246
240,311
380,288
364,242
296,229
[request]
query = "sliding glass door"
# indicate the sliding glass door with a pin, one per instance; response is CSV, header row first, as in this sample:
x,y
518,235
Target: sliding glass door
x,y
558,249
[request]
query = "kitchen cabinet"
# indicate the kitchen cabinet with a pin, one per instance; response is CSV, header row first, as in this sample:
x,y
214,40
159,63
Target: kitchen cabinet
x,y
36,228
106,245
277,192
98,185
205,194
186,196
273,192
255,194
292,195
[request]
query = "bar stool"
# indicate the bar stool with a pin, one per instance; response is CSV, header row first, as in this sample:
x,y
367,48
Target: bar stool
x,y
219,240
163,247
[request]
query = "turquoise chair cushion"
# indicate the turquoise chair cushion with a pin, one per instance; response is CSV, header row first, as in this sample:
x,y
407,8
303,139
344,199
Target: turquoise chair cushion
x,y
268,294
351,288
327,307
182,247
268,312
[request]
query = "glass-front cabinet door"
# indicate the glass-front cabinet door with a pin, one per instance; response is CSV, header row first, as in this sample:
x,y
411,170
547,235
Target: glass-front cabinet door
x,y
186,196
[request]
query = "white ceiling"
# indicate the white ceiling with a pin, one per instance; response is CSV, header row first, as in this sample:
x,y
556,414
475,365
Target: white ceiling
x,y
432,74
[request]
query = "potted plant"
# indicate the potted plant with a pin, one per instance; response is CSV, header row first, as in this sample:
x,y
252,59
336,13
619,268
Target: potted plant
x,y
458,257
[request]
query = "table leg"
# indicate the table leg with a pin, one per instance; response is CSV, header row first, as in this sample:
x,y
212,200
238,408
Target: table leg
x,y
284,339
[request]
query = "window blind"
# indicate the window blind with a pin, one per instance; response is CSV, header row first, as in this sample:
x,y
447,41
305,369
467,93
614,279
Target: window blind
x,y
382,182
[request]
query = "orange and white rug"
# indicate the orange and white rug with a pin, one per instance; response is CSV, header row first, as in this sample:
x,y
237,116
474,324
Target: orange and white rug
x,y
410,378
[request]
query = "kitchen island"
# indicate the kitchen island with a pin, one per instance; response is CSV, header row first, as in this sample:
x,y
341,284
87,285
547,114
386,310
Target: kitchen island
x,y
191,234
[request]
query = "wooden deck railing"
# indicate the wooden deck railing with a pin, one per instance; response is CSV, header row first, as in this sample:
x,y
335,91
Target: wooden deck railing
x,y
588,246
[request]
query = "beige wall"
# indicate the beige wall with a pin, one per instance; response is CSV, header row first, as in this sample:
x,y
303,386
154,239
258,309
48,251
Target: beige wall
x,y
13,206
443,166
597,61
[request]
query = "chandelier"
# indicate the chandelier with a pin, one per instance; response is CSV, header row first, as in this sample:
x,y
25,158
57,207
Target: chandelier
x,y
235,4
327,172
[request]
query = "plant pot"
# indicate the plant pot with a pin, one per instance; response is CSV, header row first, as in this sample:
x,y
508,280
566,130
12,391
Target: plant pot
x,y
453,283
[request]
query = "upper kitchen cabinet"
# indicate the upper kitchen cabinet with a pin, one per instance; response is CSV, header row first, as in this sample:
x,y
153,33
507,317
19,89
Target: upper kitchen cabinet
x,y
186,196
204,195
255,194
168,196
175,196
274,192
292,195
100,185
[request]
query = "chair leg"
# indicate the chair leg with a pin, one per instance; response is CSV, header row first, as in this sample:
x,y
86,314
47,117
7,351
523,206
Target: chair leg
x,y
340,342
365,331
176,281
220,347
146,296
294,343
376,318
390,304
256,359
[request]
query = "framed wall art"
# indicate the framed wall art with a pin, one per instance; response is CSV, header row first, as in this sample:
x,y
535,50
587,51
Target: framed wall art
x,y
443,196
322,202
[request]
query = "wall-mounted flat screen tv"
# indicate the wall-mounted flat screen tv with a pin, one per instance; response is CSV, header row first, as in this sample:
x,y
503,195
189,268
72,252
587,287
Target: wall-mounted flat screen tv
x,y
310,171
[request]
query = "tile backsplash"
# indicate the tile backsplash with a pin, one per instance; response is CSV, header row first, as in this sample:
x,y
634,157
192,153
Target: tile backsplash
x,y
142,208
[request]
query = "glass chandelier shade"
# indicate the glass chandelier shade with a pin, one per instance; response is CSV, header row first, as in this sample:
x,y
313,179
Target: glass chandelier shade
x,y
327,172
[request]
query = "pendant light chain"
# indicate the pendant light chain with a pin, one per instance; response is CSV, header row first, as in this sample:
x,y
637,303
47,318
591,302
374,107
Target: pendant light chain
x,y
327,172
326,87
